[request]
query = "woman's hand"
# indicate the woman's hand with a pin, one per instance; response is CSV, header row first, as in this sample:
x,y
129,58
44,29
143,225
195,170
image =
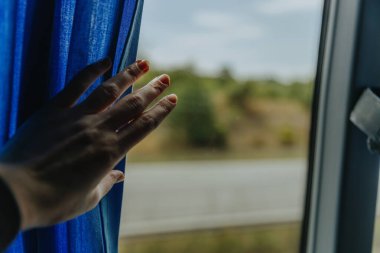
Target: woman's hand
x,y
59,164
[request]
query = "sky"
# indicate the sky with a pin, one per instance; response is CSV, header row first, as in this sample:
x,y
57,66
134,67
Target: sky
x,y
254,38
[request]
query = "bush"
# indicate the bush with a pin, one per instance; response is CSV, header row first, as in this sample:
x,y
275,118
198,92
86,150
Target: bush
x,y
196,116
240,94
301,92
287,136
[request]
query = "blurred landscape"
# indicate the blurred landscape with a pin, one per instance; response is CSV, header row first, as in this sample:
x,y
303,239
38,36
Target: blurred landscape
x,y
221,117
225,172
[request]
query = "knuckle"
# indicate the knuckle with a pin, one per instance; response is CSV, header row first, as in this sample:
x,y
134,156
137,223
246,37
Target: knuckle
x,y
149,122
166,106
133,71
107,154
110,90
122,78
81,125
159,86
136,102
90,135
108,139
104,140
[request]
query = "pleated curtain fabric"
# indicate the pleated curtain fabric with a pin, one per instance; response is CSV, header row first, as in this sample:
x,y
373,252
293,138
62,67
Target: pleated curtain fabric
x,y
43,43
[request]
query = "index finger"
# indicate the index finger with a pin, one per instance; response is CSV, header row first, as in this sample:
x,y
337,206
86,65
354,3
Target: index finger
x,y
109,91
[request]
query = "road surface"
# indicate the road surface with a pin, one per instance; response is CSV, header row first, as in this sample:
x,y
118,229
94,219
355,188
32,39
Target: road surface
x,y
180,196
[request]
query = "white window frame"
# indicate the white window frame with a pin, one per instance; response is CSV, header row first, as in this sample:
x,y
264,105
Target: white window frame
x,y
343,175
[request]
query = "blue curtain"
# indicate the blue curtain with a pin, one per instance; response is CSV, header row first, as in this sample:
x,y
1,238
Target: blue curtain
x,y
42,45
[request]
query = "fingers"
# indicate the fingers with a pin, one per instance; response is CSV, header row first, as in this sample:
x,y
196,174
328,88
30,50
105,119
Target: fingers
x,y
134,104
81,82
146,123
113,177
108,92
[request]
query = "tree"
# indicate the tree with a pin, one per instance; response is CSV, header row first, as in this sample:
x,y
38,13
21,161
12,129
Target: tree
x,y
195,115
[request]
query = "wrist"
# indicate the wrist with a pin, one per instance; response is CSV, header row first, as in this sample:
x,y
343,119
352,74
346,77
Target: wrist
x,y
15,180
10,219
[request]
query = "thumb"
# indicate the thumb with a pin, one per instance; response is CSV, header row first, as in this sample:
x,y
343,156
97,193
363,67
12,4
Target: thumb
x,y
113,177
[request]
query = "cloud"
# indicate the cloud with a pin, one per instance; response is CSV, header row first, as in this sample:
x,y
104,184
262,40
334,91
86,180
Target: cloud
x,y
251,43
215,20
216,37
287,6
223,26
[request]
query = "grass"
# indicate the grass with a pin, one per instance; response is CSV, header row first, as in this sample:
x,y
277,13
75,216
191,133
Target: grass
x,y
376,237
207,154
282,238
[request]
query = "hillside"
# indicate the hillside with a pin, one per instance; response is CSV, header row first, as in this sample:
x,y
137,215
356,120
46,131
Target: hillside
x,y
221,117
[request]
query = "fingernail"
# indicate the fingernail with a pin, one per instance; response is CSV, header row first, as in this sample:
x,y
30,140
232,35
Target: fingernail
x,y
172,98
165,79
143,65
121,178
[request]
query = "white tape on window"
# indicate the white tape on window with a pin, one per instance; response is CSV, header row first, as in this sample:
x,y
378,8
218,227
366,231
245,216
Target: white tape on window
x,y
366,116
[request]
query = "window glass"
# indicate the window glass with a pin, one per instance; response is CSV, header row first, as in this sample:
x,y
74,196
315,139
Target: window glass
x,y
226,171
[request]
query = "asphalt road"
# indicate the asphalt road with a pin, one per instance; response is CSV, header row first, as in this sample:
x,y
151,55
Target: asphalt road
x,y
180,196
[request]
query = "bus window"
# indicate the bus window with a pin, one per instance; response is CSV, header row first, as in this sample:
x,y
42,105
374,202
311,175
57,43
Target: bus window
x,y
226,172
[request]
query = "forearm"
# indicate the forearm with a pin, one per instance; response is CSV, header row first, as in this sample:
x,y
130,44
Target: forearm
x,y
9,216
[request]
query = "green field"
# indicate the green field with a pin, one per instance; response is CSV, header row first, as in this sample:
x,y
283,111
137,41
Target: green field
x,y
282,238
223,117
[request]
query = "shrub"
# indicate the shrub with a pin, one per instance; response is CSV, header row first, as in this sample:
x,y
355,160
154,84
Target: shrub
x,y
196,116
287,136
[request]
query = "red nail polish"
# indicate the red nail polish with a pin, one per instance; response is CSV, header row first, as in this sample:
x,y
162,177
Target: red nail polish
x,y
172,98
165,79
143,65
121,178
